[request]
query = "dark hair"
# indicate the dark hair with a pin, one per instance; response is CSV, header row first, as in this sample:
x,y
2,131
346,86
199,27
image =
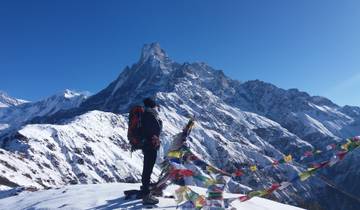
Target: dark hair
x,y
149,102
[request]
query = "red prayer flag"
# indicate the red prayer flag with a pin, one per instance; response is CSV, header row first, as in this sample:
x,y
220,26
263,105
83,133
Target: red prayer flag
x,y
244,198
275,163
341,154
273,187
238,173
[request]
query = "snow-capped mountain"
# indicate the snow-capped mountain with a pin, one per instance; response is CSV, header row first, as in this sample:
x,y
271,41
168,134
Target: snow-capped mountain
x,y
237,124
309,117
145,78
12,117
7,101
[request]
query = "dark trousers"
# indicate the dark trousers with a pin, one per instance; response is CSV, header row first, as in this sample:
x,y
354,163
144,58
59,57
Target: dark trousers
x,y
149,162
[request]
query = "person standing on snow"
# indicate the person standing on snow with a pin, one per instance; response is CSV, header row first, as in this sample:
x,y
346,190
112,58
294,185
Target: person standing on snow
x,y
152,126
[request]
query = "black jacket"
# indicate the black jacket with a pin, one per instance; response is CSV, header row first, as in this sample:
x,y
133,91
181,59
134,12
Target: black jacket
x,y
151,125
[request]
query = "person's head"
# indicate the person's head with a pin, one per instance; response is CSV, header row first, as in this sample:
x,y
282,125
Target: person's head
x,y
150,103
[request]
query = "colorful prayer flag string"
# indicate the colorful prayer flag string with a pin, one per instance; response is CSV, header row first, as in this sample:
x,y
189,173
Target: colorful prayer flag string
x,y
215,191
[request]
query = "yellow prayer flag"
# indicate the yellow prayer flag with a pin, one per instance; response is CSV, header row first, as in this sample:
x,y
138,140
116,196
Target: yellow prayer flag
x,y
180,194
258,193
307,174
346,146
212,169
288,158
209,182
174,154
304,175
253,168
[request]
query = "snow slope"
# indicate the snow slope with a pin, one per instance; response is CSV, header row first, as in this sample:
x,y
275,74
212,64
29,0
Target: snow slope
x,y
110,196
91,148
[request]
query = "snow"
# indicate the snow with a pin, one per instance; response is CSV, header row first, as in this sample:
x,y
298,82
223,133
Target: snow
x,y
70,94
4,126
314,125
110,196
15,116
7,101
91,148
119,82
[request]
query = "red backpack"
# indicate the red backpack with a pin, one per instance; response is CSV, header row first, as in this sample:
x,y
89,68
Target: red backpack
x,y
134,134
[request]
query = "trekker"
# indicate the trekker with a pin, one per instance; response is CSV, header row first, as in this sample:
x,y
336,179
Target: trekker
x,y
152,126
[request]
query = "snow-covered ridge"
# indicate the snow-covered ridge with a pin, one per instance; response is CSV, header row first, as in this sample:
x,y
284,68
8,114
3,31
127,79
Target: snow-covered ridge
x,y
89,149
74,152
297,111
7,101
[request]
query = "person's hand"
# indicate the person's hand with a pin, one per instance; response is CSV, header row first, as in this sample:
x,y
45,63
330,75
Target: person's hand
x,y
155,141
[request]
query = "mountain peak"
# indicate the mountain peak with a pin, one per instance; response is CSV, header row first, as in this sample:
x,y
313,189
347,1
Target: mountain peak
x,y
153,51
67,93
6,100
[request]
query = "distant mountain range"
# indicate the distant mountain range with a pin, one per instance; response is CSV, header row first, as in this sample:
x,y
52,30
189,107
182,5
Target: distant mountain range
x,y
70,138
16,112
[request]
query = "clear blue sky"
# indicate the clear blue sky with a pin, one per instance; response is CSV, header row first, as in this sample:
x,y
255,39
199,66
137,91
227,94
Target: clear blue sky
x,y
50,45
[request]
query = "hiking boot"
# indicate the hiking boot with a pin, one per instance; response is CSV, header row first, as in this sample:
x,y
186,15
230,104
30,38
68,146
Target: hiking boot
x,y
157,193
150,200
